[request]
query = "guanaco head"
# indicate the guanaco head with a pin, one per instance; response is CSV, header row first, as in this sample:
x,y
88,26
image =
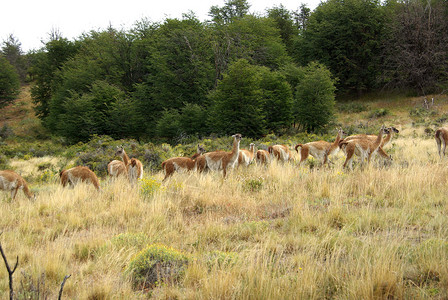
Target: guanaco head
x,y
120,151
393,129
200,149
341,132
237,136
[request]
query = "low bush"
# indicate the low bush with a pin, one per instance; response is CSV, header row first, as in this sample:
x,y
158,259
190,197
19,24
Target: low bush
x,y
378,113
221,259
352,107
157,264
128,240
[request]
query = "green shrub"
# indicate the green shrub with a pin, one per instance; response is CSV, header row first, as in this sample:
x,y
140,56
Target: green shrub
x,y
253,184
157,264
6,131
221,259
127,240
149,186
3,162
378,113
352,107
9,82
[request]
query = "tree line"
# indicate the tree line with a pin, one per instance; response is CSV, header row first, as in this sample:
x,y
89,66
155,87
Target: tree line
x,y
236,72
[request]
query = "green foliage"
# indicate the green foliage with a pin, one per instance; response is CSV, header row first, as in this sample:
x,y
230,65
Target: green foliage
x,y
278,101
148,186
193,120
378,113
9,82
157,264
44,69
285,23
12,51
237,104
221,259
346,36
6,131
232,10
257,40
253,184
352,107
168,126
128,240
315,96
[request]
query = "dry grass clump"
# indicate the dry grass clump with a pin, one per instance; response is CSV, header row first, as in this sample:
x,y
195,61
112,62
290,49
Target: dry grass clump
x,y
281,232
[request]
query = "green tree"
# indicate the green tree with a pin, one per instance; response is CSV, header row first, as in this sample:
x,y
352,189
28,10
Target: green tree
x,y
285,23
45,66
193,119
278,100
255,39
237,104
315,97
12,50
92,112
346,36
180,66
231,10
168,126
9,82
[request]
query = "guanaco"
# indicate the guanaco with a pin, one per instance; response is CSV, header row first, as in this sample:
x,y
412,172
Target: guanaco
x,y
281,152
364,148
134,167
179,164
441,137
11,181
245,157
222,160
79,174
262,157
372,137
320,150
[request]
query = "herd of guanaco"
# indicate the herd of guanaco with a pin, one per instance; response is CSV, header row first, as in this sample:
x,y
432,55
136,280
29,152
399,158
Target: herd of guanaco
x,y
362,145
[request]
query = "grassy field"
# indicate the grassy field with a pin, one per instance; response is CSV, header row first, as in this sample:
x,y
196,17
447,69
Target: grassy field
x,y
282,231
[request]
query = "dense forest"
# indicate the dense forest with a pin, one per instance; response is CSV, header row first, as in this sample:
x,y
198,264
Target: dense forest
x,y
236,72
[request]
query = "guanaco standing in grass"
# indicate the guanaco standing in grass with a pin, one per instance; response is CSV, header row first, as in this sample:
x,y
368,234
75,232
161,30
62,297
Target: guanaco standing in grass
x,y
79,174
134,167
116,168
364,148
372,137
320,150
281,152
223,160
179,164
262,157
245,157
11,181
441,137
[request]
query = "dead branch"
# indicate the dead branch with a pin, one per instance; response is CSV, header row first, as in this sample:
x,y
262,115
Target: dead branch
x,y
10,272
62,286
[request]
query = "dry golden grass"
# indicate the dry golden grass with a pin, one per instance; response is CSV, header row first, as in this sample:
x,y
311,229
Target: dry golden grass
x,y
375,233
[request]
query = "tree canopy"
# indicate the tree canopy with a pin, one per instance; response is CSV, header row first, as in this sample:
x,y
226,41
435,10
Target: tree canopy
x,y
237,71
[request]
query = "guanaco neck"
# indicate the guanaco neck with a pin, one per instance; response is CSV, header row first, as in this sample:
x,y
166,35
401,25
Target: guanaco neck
x,y
252,150
125,158
387,138
235,148
378,140
26,190
338,139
